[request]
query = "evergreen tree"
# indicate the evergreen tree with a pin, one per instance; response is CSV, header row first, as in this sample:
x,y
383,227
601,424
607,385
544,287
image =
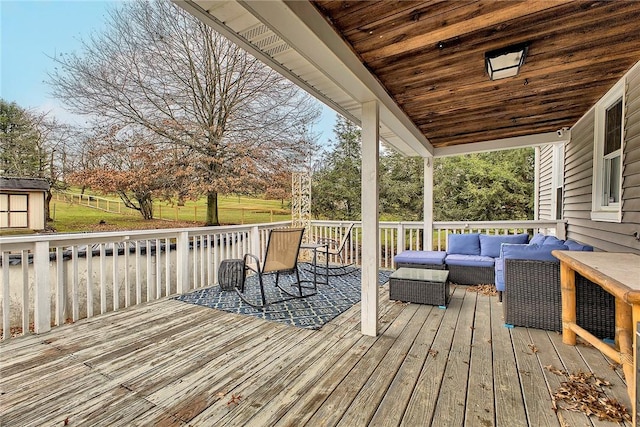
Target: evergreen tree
x,y
401,186
336,185
19,156
484,187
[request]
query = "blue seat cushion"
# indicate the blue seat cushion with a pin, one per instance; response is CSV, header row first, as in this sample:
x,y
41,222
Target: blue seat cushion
x,y
420,257
490,244
499,279
464,244
469,260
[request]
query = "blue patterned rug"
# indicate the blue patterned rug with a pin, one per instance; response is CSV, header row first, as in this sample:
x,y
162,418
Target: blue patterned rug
x,y
310,313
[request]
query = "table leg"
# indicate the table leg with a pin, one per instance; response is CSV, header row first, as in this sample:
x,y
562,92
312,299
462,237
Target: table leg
x,y
568,285
315,268
633,390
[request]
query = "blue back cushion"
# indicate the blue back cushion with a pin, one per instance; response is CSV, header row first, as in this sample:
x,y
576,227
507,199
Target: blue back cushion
x,y
490,245
538,239
464,244
552,240
575,246
532,252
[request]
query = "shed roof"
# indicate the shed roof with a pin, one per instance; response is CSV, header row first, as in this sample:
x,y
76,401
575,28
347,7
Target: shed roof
x,y
32,184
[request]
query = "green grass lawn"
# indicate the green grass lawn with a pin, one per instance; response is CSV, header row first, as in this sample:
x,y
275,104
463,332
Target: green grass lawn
x,y
74,217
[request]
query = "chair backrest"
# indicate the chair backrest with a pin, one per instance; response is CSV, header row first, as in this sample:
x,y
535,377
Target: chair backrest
x,y
282,249
345,237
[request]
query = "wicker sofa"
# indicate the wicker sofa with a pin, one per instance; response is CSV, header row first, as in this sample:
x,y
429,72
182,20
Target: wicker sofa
x,y
470,258
529,277
532,299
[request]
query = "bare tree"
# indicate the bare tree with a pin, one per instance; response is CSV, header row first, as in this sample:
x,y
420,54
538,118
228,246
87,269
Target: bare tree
x,y
159,68
130,164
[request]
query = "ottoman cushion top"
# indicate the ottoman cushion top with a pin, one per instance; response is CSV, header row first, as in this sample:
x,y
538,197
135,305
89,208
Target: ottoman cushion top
x,y
421,257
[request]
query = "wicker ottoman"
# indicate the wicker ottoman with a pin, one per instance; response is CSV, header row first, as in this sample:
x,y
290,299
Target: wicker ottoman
x,y
230,274
420,286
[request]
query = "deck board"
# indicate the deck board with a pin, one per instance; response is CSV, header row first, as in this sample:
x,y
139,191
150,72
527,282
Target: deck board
x,y
479,409
175,364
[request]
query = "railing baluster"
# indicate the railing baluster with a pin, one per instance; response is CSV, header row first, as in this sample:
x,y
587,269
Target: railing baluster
x,y
116,277
89,258
75,283
158,259
103,279
6,298
167,265
150,270
138,274
60,287
42,295
203,279
127,282
25,291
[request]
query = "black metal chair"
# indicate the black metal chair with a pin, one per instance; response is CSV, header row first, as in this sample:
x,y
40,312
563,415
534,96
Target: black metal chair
x,y
281,256
336,249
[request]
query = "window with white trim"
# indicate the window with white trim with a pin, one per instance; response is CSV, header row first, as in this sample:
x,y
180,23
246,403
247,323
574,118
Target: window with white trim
x,y
557,180
607,164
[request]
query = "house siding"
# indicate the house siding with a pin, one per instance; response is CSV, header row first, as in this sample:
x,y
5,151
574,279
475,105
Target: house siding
x,y
606,236
545,203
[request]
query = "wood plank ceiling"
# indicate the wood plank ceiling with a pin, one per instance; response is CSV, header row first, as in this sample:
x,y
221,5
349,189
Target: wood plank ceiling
x,y
429,55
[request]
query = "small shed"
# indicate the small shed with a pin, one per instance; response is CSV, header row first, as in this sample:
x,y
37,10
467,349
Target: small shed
x,y
22,203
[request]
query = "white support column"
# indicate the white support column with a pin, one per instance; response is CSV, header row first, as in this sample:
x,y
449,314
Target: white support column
x,y
370,230
42,296
427,243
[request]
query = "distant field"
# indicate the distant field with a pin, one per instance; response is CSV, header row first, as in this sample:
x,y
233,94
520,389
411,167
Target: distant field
x,y
75,216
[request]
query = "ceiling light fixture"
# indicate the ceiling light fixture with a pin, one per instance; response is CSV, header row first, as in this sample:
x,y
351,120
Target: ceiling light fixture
x,y
505,62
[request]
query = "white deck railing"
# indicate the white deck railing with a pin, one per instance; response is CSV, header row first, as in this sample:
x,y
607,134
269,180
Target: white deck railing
x,y
48,280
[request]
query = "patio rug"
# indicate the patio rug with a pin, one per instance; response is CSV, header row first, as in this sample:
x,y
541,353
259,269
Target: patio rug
x,y
310,313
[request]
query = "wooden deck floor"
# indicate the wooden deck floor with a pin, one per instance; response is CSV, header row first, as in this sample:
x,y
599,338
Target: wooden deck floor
x,y
172,363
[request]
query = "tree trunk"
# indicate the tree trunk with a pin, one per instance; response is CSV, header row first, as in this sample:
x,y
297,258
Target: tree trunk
x,y
47,206
146,207
212,208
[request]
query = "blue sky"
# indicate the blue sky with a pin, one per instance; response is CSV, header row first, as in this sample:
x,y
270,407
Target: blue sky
x,y
33,31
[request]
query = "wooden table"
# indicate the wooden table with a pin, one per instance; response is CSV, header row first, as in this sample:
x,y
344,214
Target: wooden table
x,y
618,274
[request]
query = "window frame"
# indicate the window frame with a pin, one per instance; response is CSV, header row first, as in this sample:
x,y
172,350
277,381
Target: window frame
x,y
601,210
557,181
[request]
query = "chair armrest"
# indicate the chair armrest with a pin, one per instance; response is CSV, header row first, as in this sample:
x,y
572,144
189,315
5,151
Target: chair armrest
x,y
254,259
327,241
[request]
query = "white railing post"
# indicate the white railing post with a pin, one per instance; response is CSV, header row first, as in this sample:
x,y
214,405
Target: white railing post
x,y
400,238
182,262
561,230
427,242
42,294
255,242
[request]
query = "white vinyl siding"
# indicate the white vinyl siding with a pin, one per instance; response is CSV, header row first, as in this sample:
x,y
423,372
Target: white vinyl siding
x,y
608,148
545,198
578,182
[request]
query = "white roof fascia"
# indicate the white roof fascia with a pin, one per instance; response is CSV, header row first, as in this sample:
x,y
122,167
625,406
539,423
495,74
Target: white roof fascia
x,y
505,144
311,35
196,10
332,83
